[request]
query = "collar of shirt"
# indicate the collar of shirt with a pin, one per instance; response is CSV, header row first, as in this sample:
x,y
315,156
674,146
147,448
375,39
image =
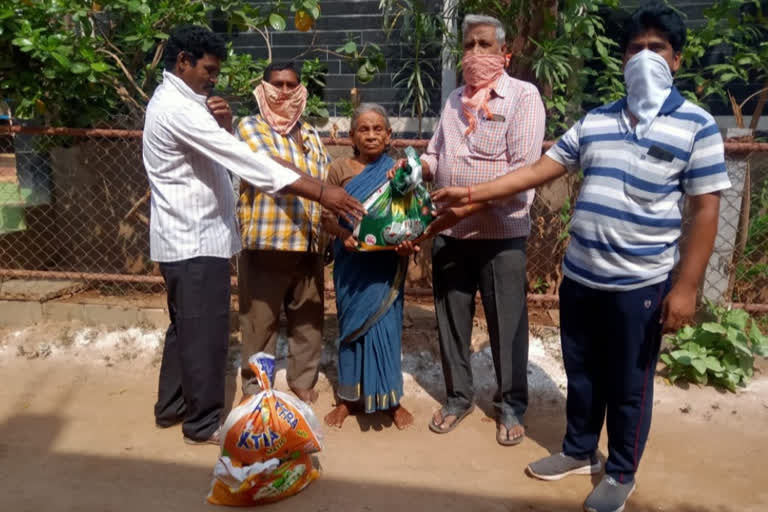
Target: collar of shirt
x,y
501,89
673,102
304,130
181,86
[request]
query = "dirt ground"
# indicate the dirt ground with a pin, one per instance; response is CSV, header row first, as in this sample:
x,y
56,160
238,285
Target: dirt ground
x,y
77,434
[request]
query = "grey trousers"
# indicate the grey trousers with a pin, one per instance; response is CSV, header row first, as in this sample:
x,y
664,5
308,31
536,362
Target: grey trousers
x,y
497,269
269,281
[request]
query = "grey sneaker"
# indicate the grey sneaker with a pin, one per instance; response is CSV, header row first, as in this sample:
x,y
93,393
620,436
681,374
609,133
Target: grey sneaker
x,y
214,439
609,496
560,465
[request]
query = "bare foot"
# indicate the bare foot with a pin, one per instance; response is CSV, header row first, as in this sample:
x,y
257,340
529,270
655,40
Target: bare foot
x,y
401,416
444,423
306,395
338,414
509,436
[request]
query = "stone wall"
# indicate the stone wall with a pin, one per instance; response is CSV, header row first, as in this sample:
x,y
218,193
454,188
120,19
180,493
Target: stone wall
x,y
360,20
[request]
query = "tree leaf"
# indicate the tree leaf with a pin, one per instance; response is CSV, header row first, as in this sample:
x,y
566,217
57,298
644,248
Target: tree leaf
x,y
80,68
350,48
61,59
737,318
276,21
760,350
756,336
601,49
682,357
364,75
746,364
739,340
713,364
714,328
23,42
700,365
686,333
100,66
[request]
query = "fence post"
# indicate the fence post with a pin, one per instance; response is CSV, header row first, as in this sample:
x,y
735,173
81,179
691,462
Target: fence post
x,y
718,274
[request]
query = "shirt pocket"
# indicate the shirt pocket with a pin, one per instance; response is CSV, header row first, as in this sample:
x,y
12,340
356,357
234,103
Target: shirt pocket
x,y
489,140
651,180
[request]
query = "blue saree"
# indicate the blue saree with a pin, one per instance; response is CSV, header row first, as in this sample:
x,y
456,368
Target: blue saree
x,y
369,301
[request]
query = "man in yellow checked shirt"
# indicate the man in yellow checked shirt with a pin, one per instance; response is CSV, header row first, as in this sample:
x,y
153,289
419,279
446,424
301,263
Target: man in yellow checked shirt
x,y
281,265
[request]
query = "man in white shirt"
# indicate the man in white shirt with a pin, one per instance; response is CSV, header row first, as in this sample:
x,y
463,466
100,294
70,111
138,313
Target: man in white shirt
x,y
188,147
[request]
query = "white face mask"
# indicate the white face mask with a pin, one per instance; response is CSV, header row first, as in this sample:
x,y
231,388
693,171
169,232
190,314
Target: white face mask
x,y
649,82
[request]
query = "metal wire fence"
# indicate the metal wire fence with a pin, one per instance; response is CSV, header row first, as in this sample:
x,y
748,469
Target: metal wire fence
x,y
74,204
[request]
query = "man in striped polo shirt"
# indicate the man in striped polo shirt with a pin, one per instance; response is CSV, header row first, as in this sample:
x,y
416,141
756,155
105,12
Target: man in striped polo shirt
x,y
641,156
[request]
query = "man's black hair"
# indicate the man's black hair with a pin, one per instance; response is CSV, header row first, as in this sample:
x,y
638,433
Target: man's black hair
x,y
279,66
195,41
659,16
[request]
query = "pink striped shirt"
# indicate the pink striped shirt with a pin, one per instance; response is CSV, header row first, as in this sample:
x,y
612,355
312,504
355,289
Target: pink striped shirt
x,y
512,139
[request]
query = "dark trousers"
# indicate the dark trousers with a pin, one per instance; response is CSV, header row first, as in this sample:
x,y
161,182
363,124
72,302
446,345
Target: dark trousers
x,y
192,376
497,269
610,343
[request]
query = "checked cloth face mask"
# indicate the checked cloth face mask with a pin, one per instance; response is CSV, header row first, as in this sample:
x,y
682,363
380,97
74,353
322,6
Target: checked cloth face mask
x,y
481,72
282,110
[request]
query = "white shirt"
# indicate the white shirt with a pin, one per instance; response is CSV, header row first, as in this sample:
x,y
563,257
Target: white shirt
x,y
187,154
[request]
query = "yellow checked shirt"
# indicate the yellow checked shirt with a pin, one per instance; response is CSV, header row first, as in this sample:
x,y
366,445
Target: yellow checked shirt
x,y
285,222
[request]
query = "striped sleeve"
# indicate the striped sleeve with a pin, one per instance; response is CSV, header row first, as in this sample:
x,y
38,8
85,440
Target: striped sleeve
x,y
567,150
706,171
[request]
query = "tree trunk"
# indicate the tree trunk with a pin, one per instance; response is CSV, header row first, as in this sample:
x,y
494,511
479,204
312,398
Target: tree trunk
x,y
538,21
759,107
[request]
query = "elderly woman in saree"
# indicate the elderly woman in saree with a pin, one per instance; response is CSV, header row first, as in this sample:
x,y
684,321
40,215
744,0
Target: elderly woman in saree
x,y
369,285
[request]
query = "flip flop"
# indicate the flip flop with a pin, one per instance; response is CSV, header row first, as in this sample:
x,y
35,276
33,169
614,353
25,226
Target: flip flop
x,y
505,440
438,429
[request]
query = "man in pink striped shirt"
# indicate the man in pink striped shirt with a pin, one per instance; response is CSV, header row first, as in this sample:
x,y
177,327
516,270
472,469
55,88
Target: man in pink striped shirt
x,y
490,127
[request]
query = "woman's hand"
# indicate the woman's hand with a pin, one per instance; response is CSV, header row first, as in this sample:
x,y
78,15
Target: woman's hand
x,y
350,242
452,196
400,163
407,248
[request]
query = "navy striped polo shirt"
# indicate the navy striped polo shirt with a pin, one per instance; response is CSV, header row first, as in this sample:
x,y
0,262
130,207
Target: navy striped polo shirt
x,y
628,216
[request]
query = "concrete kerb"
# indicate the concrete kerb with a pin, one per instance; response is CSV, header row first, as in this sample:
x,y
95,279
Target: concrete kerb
x,y
20,313
23,313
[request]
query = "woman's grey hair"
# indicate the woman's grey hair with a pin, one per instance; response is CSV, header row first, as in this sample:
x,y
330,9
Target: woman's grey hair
x,y
472,20
369,107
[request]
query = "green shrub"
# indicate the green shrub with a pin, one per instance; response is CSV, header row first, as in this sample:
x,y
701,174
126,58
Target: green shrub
x,y
720,352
